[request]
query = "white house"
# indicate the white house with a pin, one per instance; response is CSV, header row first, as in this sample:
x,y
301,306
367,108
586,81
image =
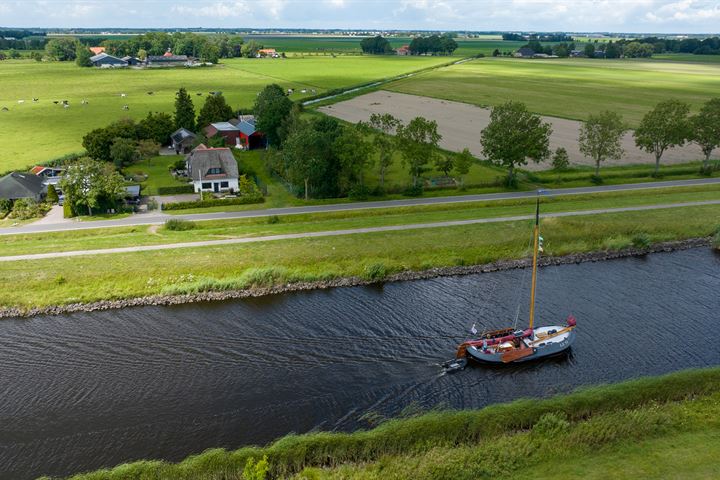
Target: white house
x,y
212,169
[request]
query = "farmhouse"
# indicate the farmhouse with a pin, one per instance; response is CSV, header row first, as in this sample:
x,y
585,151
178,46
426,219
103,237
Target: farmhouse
x,y
525,52
238,132
103,60
17,185
267,52
404,50
212,169
182,140
167,60
132,61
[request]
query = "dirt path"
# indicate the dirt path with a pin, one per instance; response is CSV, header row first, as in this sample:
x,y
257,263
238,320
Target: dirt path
x,y
332,233
460,125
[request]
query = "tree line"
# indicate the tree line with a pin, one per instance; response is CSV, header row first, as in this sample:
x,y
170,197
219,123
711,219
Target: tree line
x,y
515,136
420,45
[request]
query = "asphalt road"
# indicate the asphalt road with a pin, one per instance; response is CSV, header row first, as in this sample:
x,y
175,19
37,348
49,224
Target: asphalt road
x,y
155,218
332,233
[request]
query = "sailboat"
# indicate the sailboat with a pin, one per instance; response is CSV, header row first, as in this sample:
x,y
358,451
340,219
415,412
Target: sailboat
x,y
509,345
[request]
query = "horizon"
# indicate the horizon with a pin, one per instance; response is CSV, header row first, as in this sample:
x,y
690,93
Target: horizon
x,y
661,17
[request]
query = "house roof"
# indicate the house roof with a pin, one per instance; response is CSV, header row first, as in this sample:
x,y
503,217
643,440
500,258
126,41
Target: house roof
x,y
202,159
20,185
38,169
167,58
104,56
247,126
182,134
97,50
526,51
132,190
224,127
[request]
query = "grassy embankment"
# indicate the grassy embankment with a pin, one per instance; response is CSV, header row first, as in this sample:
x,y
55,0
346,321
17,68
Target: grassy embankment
x,y
569,88
238,79
655,427
58,281
92,239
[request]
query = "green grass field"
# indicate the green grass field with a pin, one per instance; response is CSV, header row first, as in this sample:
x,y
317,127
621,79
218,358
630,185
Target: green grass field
x,y
656,427
239,79
569,88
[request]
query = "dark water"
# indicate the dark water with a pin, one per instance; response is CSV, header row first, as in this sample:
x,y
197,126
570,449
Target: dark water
x,y
83,391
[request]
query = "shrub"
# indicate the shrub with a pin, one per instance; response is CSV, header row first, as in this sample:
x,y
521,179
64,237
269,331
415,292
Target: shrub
x,y
376,271
273,219
68,210
5,206
179,225
359,192
27,208
641,240
560,160
596,180
256,471
550,425
175,190
178,165
60,280
52,196
214,202
413,191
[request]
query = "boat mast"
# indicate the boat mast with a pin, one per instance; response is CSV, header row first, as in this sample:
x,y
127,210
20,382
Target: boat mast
x,y
536,235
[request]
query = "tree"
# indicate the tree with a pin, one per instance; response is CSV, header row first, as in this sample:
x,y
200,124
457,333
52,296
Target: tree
x,y
61,49
463,162
184,110
123,152
600,137
560,160
612,50
705,129
37,56
496,53
147,149
215,109
418,142
271,107
355,153
513,136
97,142
638,50
663,127
89,184
302,157
589,50
444,163
157,127
142,54
210,53
385,144
250,49
82,56
52,196
375,45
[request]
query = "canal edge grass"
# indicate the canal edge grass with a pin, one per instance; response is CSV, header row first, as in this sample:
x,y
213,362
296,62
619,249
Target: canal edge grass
x,y
374,274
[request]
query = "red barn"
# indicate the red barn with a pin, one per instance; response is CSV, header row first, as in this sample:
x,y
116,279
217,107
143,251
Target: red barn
x,y
240,132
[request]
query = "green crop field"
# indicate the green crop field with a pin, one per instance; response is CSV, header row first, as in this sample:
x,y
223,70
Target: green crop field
x,y
569,88
36,132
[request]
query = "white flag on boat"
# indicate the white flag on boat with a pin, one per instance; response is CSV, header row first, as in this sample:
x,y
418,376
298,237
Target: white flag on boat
x,y
473,330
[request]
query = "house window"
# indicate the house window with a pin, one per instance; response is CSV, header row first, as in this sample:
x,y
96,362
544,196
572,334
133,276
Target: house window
x,y
214,171
206,185
224,184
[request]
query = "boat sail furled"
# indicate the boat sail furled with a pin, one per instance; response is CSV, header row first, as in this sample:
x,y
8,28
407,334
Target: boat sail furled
x,y
509,345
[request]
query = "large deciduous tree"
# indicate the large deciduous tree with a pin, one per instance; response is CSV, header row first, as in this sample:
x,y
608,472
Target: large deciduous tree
x,y
705,129
184,111
61,49
418,142
271,108
355,153
123,152
215,109
157,127
665,126
375,45
88,184
513,136
600,137
82,56
385,143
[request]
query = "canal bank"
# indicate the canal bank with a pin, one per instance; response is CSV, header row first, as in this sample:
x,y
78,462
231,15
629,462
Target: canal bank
x,y
209,296
95,389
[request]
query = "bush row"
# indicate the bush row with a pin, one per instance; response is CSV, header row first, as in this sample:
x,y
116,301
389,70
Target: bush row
x,y
215,202
175,190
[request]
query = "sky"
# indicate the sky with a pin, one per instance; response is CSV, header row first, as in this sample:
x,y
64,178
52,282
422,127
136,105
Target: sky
x,y
642,16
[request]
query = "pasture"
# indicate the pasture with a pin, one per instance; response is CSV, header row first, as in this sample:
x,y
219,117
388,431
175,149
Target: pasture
x,y
569,88
32,132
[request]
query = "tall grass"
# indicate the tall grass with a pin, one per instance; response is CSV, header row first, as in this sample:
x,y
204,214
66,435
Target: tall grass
x,y
610,405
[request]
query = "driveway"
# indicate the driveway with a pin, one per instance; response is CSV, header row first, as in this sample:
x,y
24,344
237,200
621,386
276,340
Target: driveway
x,y
53,217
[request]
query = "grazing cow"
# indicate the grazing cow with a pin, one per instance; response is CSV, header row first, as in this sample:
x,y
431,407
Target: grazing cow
x,y
21,101
150,93
123,95
125,107
65,105
36,99
56,102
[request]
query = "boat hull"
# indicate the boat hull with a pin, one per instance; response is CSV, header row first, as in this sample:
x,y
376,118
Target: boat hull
x,y
542,350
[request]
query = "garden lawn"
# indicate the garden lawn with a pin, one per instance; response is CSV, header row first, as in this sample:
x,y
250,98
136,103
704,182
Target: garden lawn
x,y
158,174
55,281
569,88
239,80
